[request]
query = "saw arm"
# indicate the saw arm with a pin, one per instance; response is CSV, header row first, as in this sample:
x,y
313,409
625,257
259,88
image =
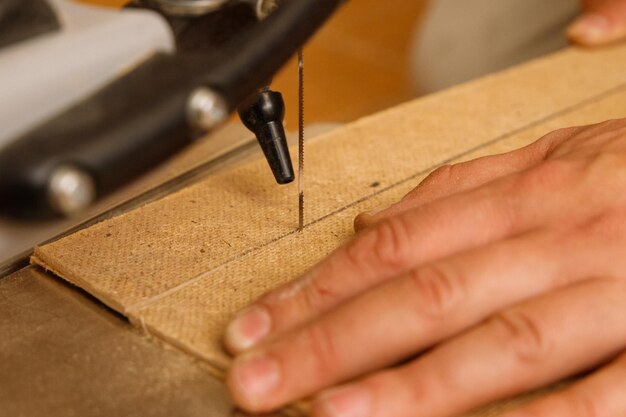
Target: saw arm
x,y
158,106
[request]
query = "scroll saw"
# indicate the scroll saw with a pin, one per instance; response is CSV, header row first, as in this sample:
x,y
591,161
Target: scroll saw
x,y
91,99
95,97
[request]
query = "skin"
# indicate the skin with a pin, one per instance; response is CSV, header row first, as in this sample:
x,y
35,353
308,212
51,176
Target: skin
x,y
491,278
602,22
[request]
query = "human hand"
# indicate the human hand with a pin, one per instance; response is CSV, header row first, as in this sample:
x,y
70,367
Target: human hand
x,y
602,22
504,274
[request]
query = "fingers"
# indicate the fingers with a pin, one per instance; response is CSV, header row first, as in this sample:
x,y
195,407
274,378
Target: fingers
x,y
447,180
451,179
603,22
395,246
523,348
414,312
601,394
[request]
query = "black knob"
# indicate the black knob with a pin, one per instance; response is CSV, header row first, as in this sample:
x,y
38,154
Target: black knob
x,y
264,117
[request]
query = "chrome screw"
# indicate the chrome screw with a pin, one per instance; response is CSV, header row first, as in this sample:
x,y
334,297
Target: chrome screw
x,y
70,190
265,7
206,109
188,7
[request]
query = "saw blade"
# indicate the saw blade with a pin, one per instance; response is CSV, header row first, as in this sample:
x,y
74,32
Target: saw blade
x,y
300,140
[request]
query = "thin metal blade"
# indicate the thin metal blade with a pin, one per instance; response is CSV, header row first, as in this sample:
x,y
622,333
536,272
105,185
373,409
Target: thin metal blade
x,y
300,140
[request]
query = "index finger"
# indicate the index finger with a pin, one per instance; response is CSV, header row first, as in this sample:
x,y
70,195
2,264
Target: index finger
x,y
394,246
452,179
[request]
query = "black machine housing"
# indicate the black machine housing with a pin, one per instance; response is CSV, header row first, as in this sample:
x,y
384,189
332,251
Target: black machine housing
x,y
141,118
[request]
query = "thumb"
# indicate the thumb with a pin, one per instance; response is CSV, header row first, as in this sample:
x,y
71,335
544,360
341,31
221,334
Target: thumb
x,y
602,22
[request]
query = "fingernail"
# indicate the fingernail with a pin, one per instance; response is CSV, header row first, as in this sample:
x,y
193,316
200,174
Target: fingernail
x,y
365,219
256,376
591,28
248,328
350,401
375,211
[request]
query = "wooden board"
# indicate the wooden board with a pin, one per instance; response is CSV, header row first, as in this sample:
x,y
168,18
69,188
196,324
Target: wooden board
x,y
180,267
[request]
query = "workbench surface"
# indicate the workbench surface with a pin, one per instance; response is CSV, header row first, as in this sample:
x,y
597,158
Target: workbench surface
x,y
64,354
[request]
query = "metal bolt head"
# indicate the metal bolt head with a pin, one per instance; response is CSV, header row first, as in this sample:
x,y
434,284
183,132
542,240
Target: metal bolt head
x,y
188,7
70,190
265,7
206,109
